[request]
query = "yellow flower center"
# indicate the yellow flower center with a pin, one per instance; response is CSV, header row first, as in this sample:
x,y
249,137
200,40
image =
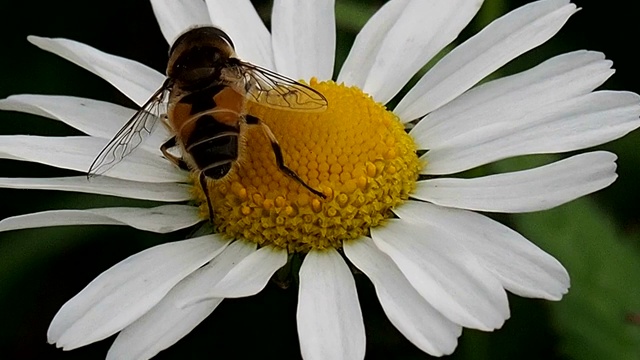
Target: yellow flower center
x,y
356,153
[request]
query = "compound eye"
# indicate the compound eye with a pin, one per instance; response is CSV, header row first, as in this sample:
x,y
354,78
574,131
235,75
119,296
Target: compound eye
x,y
196,62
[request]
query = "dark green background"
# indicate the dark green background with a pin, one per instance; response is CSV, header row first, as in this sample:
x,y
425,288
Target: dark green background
x,y
596,238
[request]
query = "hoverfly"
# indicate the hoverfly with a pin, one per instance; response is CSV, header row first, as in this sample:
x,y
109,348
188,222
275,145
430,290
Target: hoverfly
x,y
206,91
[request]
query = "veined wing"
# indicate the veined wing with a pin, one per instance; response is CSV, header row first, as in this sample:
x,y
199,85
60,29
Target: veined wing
x,y
278,91
132,134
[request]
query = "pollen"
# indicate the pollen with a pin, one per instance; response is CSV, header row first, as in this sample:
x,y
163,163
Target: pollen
x,y
355,152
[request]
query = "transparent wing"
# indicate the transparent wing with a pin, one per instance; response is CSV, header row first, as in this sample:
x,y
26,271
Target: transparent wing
x,y
132,134
278,91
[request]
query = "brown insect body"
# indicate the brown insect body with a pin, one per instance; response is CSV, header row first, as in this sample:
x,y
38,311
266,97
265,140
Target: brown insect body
x,y
207,88
206,105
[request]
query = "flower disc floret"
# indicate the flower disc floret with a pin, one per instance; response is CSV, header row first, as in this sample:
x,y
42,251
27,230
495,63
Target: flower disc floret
x,y
356,153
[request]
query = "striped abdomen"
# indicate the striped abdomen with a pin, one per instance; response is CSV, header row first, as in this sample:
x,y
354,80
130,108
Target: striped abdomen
x,y
207,123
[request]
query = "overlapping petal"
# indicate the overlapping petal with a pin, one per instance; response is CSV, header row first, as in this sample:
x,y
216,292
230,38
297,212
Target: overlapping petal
x,y
92,117
103,185
535,189
166,323
401,38
559,78
78,152
443,272
572,124
497,44
521,267
126,291
161,219
248,277
409,312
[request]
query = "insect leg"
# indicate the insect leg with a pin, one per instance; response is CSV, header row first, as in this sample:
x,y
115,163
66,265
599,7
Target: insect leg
x,y
174,159
205,188
277,151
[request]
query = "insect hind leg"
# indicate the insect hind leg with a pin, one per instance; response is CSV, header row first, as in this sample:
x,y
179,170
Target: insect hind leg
x,y
205,189
277,151
183,165
179,162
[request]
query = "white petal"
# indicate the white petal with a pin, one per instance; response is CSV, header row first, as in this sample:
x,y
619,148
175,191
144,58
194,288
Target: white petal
x,y
446,274
535,189
368,43
160,328
92,117
176,16
104,185
78,152
166,323
521,266
126,291
240,20
401,38
559,78
330,324
161,219
500,42
409,312
133,79
247,278
304,38
573,124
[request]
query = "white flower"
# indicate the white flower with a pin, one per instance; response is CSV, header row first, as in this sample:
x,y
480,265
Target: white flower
x,y
436,268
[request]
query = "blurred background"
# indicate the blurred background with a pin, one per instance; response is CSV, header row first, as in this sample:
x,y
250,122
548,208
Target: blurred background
x,y
596,238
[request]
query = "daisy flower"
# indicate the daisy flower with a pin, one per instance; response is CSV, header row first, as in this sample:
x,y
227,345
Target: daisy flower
x,y
394,209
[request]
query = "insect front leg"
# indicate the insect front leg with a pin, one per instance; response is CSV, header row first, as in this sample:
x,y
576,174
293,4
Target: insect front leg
x,y
277,151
